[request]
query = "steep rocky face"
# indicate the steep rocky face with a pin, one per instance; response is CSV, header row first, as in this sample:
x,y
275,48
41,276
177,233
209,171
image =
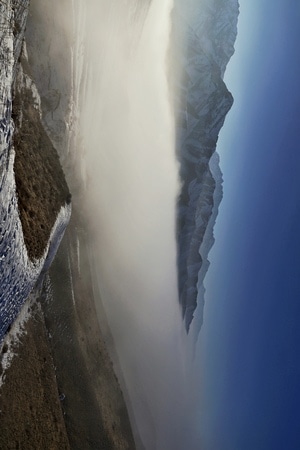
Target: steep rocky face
x,y
204,33
34,198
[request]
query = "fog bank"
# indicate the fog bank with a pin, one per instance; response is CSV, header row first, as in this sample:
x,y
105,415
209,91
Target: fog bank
x,y
130,173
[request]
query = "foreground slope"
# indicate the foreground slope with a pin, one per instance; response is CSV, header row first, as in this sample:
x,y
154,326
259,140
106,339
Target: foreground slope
x,y
34,197
59,348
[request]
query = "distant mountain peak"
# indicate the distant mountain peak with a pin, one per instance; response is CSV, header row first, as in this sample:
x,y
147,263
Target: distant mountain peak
x,y
203,35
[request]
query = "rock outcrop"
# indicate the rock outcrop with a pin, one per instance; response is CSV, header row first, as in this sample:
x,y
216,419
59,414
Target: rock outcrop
x,y
34,197
204,34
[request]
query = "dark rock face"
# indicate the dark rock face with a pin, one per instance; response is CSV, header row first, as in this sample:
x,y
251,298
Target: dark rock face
x,y
209,30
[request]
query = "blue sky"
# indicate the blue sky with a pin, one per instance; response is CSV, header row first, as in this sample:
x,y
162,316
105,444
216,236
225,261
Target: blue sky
x,y
251,334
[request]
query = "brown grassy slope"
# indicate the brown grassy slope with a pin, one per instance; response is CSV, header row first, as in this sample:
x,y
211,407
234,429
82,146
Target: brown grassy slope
x,y
31,417
40,181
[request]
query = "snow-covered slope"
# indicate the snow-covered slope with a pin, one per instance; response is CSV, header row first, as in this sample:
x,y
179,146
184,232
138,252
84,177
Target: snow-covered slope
x,y
18,273
205,33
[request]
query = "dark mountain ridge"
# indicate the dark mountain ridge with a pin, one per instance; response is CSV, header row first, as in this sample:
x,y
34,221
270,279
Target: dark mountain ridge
x,y
202,103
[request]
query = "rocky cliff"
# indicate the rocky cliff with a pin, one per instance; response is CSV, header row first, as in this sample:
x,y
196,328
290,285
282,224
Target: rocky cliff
x,y
34,197
204,36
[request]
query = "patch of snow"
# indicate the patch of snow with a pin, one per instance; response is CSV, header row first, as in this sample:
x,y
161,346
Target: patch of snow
x,y
13,338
